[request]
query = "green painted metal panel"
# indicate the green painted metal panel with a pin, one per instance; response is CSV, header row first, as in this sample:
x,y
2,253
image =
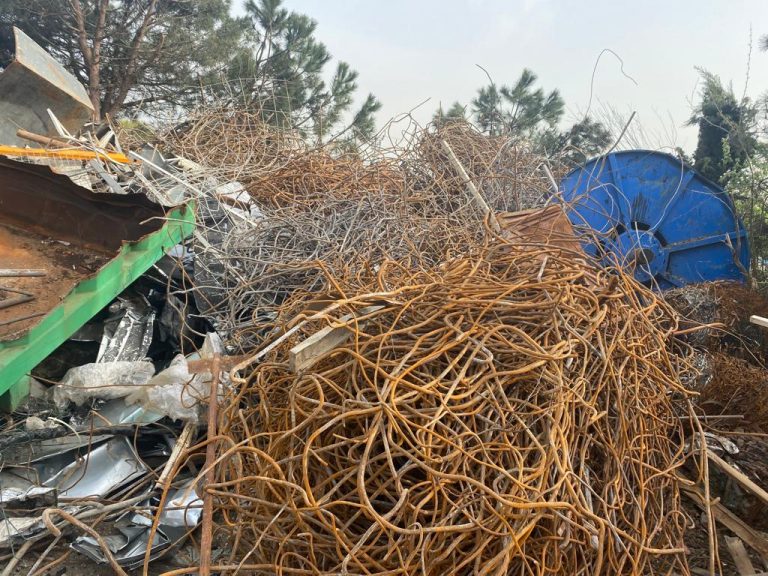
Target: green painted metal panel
x,y
18,357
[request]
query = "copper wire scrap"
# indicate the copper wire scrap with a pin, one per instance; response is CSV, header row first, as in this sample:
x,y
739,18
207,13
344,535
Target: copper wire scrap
x,y
511,412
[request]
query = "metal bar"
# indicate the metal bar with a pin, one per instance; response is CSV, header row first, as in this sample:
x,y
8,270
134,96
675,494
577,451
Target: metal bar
x,y
22,318
7,303
459,167
39,139
18,272
206,537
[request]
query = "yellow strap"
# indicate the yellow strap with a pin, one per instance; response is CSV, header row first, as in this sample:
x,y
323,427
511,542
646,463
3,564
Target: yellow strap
x,y
66,154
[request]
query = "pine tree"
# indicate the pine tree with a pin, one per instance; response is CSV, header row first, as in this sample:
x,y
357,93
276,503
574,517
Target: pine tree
x,y
519,110
585,139
456,113
721,116
148,54
130,53
282,74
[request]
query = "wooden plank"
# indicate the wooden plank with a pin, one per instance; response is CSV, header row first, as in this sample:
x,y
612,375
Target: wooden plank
x,y
749,535
740,556
306,353
759,320
737,475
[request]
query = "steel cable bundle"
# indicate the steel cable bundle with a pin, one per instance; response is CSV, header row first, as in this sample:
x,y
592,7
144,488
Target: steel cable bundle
x,y
511,413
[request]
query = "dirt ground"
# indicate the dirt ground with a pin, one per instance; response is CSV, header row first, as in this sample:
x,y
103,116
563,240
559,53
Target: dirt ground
x,y
65,266
75,564
78,565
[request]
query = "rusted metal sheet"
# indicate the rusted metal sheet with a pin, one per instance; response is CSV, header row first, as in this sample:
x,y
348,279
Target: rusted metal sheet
x,y
33,83
34,198
65,265
48,222
548,226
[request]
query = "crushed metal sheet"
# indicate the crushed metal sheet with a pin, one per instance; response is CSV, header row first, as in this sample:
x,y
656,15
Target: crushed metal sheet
x,y
103,470
40,451
181,514
128,331
13,530
116,411
13,499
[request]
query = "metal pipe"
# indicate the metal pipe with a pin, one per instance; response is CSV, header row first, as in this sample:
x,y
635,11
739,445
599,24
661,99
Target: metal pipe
x,y
18,272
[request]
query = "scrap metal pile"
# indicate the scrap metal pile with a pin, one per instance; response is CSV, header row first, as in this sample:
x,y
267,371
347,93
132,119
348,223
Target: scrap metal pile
x,y
510,412
317,211
429,387
424,379
731,351
392,359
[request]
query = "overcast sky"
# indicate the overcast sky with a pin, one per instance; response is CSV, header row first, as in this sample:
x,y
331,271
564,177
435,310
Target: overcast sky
x,y
410,51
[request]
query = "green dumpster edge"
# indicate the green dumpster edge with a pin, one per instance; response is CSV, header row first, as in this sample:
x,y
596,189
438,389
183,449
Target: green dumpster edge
x,y
18,357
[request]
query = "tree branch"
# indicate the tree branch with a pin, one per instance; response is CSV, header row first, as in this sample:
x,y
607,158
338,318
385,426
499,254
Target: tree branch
x,y
131,65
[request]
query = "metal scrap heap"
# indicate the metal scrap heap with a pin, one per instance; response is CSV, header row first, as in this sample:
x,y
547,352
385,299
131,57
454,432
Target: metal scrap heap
x,y
514,412
391,360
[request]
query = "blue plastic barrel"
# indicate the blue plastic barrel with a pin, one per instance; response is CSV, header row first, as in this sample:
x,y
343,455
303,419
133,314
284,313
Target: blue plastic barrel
x,y
652,213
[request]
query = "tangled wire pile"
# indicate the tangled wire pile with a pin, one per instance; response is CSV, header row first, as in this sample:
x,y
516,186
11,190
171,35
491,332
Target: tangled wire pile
x,y
279,169
235,144
736,386
289,253
507,413
325,211
509,176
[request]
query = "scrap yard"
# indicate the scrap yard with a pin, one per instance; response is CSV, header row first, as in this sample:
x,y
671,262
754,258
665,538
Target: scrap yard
x,y
228,346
